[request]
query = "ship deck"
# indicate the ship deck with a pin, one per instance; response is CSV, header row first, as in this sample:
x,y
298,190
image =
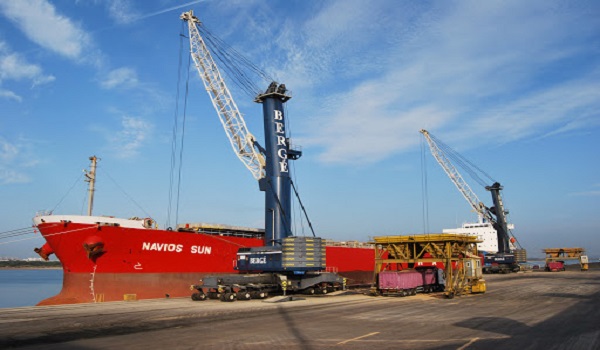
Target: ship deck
x,y
534,310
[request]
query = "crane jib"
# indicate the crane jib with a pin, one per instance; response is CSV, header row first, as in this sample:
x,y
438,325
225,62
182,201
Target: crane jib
x,y
272,172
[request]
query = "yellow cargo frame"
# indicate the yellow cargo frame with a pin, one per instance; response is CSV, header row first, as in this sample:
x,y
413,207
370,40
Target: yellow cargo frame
x,y
562,254
450,249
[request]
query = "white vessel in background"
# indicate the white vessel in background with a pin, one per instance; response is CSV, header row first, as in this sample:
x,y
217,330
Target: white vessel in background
x,y
485,232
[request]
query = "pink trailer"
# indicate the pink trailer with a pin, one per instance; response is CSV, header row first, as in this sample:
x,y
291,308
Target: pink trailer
x,y
400,279
408,282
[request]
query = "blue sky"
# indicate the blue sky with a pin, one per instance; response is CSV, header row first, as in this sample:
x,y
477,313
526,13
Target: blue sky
x,y
514,86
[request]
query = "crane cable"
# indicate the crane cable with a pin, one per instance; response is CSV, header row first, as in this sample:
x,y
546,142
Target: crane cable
x,y
175,163
469,167
187,89
29,230
235,65
174,130
239,70
288,129
105,172
303,209
424,188
16,232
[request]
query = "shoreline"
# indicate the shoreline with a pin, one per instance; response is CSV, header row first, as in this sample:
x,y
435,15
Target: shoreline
x,y
30,268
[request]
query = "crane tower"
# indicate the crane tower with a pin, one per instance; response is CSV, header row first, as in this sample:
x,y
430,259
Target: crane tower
x,y
268,165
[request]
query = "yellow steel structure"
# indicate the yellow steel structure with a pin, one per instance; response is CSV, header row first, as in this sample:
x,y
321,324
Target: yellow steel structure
x,y
562,254
458,254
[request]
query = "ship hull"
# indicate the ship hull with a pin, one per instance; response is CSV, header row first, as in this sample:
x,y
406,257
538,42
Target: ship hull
x,y
101,287
107,259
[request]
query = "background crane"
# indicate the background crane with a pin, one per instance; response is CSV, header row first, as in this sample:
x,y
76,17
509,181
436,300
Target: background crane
x,y
496,215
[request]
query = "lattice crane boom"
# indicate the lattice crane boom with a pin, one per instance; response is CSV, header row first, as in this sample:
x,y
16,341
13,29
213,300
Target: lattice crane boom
x,y
457,178
242,141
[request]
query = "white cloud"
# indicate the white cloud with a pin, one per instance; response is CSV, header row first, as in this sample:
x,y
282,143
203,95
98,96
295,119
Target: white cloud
x,y
9,176
15,67
8,151
359,130
121,11
133,135
470,68
12,169
120,78
42,24
10,95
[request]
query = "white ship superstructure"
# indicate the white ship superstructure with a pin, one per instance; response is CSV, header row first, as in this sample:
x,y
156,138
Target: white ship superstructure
x,y
483,231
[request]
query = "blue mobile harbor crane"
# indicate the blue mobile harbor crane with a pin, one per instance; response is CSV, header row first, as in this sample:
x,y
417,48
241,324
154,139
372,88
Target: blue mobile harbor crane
x,y
504,260
284,263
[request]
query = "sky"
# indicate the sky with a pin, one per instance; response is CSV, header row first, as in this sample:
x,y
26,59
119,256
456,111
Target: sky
x,y
514,86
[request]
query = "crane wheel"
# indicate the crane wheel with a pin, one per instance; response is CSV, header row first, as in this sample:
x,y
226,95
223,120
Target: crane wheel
x,y
198,296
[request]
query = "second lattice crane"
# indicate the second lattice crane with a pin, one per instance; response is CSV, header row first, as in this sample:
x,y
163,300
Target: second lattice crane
x,y
503,260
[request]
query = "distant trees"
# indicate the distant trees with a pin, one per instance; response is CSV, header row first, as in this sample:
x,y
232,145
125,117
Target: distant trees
x,y
29,264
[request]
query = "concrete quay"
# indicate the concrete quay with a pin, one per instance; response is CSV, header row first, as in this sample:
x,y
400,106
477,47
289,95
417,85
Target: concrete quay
x,y
533,310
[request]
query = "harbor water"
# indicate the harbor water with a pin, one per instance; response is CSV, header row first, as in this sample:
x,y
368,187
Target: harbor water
x,y
27,287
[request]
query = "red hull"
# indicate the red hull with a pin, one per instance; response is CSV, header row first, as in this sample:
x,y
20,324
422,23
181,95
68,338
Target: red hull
x,y
113,262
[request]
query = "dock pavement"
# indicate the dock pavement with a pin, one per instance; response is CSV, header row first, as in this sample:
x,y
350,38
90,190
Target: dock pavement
x,y
530,310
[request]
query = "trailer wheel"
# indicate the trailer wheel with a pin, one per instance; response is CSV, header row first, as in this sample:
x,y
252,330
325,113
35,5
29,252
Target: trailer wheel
x,y
403,293
229,297
259,294
243,295
198,296
413,291
309,291
321,290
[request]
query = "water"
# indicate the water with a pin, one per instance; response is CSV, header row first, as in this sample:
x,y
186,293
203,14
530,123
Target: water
x,y
27,287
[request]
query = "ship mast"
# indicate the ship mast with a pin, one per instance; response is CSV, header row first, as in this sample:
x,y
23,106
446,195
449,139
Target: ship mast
x,y
91,178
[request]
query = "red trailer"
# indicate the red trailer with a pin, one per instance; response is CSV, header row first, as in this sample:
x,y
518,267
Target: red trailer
x,y
555,266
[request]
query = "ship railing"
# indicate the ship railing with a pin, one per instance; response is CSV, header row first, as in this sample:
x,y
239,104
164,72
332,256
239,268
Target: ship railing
x,y
350,244
228,233
43,213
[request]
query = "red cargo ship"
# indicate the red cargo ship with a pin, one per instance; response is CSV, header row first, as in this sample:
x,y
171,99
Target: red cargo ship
x,y
107,259
112,259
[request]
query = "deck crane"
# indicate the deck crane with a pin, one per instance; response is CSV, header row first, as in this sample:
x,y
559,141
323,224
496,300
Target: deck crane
x,y
283,257
504,260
